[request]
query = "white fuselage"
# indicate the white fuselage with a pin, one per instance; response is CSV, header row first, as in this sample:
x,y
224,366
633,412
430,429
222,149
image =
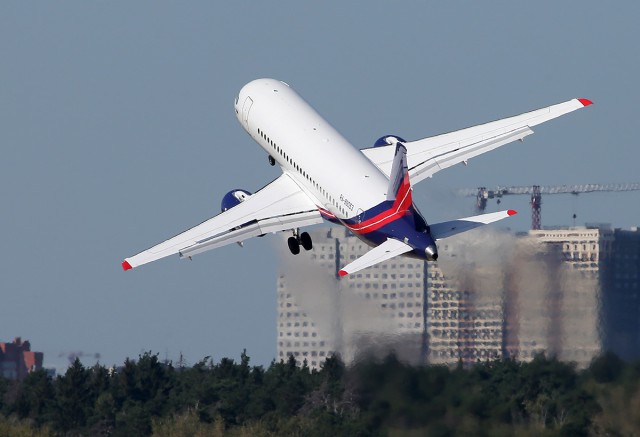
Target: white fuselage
x,y
326,166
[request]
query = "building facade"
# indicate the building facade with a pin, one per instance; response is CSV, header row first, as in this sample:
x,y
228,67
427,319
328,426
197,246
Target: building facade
x,y
375,310
464,316
17,360
557,289
621,302
571,293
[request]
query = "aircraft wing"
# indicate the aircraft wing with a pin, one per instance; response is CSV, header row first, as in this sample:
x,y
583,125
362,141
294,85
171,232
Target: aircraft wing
x,y
387,250
453,227
430,155
279,206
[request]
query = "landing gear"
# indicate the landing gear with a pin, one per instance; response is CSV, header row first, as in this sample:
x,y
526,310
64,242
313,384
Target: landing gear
x,y
294,246
305,240
299,239
272,160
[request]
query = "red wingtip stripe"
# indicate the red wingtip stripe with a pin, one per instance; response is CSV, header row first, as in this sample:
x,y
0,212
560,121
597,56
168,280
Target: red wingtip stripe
x,y
126,266
512,212
342,273
585,102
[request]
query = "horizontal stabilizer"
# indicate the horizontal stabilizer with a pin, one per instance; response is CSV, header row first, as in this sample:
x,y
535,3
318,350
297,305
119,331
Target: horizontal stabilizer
x,y
453,227
387,250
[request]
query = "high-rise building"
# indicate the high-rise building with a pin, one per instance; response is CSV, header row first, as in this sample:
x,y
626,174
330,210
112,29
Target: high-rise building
x,y
306,300
532,293
621,300
17,360
571,293
377,309
464,316
556,289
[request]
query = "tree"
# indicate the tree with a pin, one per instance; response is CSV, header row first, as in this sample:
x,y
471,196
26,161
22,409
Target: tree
x,y
73,397
606,367
35,398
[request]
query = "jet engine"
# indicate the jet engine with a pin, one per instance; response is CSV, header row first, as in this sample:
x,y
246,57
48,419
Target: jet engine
x,y
388,140
234,198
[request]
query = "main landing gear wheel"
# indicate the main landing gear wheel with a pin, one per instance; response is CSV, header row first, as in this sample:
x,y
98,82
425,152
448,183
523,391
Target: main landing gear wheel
x,y
294,245
298,239
305,240
272,160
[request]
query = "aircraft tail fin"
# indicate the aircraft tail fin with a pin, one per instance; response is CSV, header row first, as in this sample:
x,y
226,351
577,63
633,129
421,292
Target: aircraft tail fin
x,y
399,184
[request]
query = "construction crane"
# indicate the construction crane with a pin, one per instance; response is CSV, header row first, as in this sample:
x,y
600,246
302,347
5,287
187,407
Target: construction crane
x,y
482,194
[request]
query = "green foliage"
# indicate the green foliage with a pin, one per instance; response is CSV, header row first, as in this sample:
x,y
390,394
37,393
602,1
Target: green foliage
x,y
606,367
74,397
187,424
5,384
16,428
34,398
388,397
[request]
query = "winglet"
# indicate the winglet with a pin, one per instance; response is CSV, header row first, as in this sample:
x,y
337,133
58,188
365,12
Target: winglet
x,y
512,212
126,266
342,273
585,102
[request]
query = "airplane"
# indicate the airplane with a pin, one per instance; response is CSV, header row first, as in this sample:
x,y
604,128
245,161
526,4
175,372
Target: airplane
x,y
324,177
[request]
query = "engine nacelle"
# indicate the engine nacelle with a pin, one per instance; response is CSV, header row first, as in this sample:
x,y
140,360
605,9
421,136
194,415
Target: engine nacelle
x,y
388,140
234,198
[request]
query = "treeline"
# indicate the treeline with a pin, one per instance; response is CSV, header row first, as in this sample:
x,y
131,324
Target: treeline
x,y
228,398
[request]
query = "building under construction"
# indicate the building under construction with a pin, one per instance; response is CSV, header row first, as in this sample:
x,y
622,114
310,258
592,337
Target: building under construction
x,y
483,195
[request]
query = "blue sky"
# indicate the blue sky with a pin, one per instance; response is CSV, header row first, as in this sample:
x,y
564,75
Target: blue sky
x,y
117,131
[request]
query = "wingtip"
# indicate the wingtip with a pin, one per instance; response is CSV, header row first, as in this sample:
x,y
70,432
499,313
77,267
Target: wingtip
x,y
342,273
512,212
126,266
585,102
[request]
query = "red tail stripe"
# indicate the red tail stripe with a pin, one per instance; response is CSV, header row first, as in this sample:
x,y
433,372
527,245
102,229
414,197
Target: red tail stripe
x,y
399,208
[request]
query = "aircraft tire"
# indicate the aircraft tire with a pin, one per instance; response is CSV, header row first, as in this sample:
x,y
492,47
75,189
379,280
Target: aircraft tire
x,y
294,246
305,240
272,160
